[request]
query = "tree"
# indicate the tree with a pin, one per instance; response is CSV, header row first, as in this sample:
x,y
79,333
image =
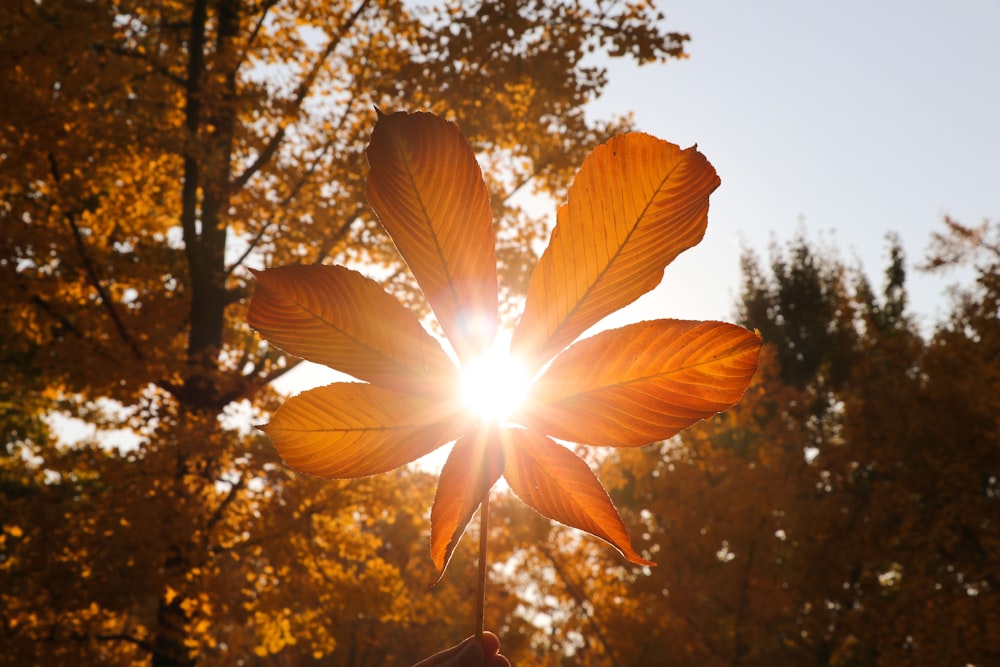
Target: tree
x,y
151,152
836,515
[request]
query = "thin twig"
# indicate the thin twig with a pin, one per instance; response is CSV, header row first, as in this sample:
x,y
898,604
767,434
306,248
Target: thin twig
x,y
301,92
91,271
583,602
484,514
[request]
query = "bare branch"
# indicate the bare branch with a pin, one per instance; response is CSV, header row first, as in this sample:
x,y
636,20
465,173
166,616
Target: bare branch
x,y
580,596
152,64
310,170
301,92
92,274
338,235
66,324
255,31
234,490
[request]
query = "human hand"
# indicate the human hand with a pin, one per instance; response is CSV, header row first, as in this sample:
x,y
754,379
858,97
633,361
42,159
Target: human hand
x,y
470,653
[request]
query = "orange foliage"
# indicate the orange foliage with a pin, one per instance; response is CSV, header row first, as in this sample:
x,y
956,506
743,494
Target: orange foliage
x,y
635,205
151,152
835,516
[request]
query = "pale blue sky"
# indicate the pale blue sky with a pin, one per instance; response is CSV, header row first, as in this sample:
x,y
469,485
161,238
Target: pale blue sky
x,y
847,119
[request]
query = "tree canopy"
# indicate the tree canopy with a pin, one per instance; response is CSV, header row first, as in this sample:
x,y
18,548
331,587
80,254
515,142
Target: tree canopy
x,y
152,151
844,512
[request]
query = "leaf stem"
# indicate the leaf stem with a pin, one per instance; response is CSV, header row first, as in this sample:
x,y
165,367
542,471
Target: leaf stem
x,y
484,515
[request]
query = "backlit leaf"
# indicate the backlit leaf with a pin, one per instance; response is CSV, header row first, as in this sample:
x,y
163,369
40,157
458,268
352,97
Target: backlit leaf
x,y
560,485
334,316
636,204
472,468
352,429
642,383
428,191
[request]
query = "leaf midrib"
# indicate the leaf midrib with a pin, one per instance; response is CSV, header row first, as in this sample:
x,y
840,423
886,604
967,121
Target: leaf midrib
x,y
653,376
428,222
570,314
395,363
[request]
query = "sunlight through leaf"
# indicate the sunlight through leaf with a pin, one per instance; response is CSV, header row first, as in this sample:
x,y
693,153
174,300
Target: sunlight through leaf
x,y
636,203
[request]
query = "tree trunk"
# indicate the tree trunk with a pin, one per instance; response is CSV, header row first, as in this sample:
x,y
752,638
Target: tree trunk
x,y
209,121
206,196
171,624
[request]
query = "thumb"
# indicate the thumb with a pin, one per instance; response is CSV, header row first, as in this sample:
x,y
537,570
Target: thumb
x,y
490,643
482,653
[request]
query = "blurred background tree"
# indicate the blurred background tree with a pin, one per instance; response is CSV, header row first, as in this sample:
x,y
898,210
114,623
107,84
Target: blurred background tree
x,y
844,513
150,152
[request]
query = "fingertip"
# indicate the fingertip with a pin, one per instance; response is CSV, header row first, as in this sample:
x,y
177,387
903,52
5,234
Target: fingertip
x,y
490,643
491,647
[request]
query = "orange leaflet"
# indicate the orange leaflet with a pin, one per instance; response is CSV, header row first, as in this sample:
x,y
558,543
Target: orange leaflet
x,y
428,192
559,485
336,317
642,383
636,203
474,466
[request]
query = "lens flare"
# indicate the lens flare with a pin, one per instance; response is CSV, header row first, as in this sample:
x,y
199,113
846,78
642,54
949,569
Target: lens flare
x,y
494,385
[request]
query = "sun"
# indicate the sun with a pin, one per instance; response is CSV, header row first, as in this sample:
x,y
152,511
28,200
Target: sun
x,y
494,384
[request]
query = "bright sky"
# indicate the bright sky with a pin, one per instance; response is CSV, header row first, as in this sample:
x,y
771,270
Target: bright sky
x,y
846,119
